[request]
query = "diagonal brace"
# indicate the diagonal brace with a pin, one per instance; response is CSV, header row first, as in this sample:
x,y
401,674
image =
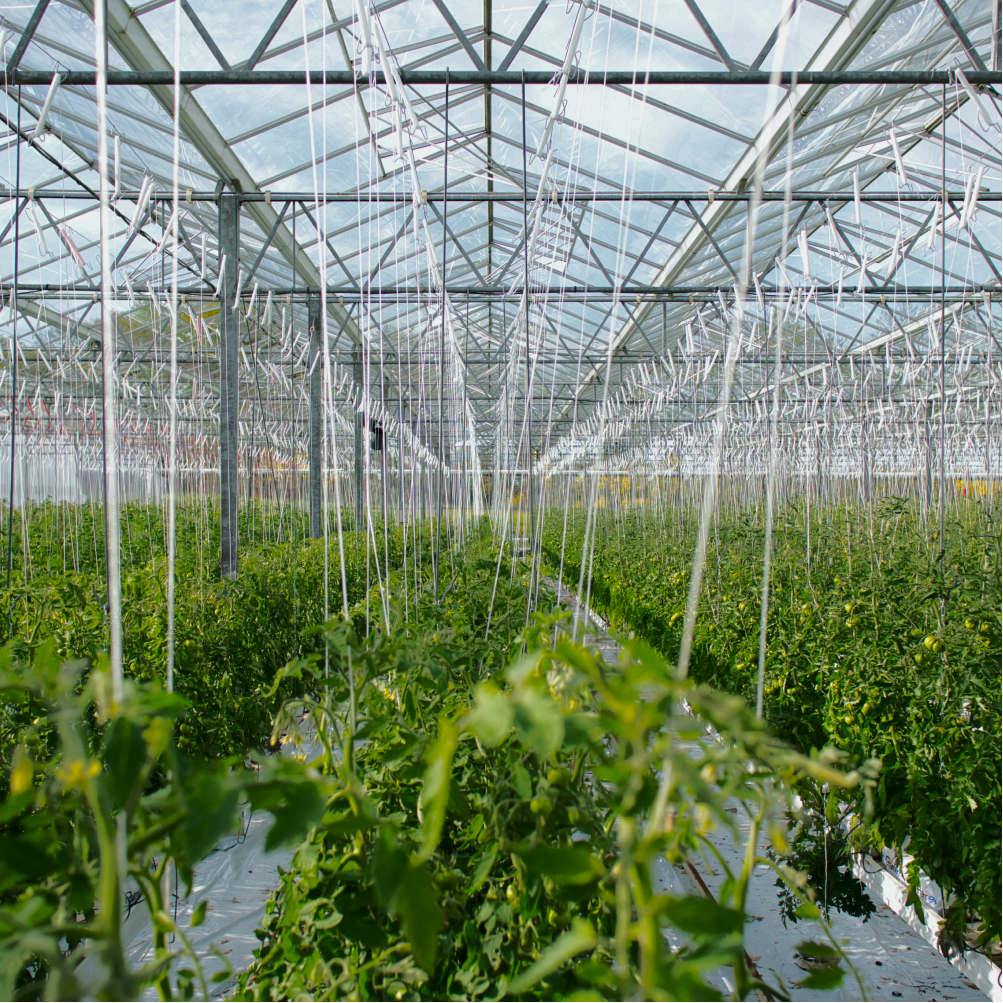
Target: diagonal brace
x,y
711,35
267,243
204,32
523,35
952,20
270,34
710,237
460,35
26,35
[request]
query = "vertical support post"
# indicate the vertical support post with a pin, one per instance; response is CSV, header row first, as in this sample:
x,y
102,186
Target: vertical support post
x,y
316,419
229,243
359,419
928,483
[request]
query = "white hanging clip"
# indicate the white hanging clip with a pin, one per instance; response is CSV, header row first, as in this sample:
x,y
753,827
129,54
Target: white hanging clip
x,y
367,42
46,105
894,260
38,229
971,92
897,154
935,220
222,273
251,301
240,285
142,200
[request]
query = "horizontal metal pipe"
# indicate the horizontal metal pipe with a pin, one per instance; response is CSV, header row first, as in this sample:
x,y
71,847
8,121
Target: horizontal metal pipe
x,y
414,360
347,78
708,195
627,294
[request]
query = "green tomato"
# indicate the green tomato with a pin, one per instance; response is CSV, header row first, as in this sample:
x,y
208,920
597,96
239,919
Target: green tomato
x,y
558,776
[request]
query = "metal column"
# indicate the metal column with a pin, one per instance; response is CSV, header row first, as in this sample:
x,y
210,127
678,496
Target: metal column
x,y
359,420
229,238
316,418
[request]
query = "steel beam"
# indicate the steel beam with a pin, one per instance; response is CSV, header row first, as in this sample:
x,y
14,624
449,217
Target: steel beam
x,y
460,34
205,35
558,198
711,34
229,431
512,78
26,37
567,293
266,39
316,418
962,36
523,35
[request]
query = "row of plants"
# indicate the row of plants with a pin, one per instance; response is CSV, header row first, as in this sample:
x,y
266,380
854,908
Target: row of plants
x,y
231,636
477,804
877,643
50,537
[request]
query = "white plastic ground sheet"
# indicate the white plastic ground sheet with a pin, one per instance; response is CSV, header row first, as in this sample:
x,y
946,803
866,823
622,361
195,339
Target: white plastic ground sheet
x,y
894,962
236,881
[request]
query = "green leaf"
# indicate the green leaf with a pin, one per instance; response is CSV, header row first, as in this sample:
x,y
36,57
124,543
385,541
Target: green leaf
x,y
581,730
654,665
521,782
814,949
564,865
301,807
581,937
389,865
420,915
520,671
211,801
492,716
435,791
577,657
701,916
198,917
540,722
25,857
124,756
346,824
483,869
824,978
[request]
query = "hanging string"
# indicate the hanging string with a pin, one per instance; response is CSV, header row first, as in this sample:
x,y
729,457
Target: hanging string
x,y
109,348
172,445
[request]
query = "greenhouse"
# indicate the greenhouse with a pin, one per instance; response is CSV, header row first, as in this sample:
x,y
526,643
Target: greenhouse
x,y
501,500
